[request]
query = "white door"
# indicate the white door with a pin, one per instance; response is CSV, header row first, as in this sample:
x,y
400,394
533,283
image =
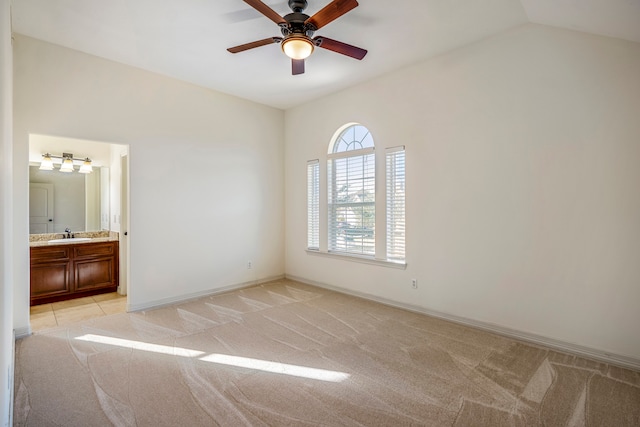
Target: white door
x,y
124,226
40,208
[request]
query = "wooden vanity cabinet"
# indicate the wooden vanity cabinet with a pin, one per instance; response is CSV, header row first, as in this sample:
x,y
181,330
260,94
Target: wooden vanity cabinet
x,y
67,271
50,272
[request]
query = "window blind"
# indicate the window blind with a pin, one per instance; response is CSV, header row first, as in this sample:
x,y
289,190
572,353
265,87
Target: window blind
x,y
395,182
351,203
313,204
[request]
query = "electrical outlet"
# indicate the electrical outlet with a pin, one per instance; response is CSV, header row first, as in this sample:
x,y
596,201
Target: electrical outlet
x,y
414,283
249,265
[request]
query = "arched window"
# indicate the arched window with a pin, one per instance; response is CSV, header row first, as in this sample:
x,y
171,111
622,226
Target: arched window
x,y
351,192
351,137
351,200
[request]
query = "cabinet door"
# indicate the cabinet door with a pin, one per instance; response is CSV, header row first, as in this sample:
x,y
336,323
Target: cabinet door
x,y
50,279
95,266
50,272
94,273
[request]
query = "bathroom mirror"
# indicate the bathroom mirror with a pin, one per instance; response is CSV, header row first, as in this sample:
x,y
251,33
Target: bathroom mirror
x,y
76,201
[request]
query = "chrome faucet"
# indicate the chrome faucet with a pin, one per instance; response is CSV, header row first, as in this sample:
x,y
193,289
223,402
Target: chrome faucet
x,y
68,231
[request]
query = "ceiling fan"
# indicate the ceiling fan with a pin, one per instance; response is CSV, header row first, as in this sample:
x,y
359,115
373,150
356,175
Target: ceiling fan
x,y
297,29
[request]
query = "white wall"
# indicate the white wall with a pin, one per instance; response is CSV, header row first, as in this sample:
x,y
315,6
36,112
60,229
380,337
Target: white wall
x,y
115,186
92,200
6,216
523,164
105,195
206,170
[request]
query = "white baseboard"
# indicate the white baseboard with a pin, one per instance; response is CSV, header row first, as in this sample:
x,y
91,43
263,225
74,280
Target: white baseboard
x,y
12,375
149,305
21,332
582,351
12,370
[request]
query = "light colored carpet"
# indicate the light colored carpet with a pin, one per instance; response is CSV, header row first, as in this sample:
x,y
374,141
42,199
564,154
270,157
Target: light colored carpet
x,y
285,353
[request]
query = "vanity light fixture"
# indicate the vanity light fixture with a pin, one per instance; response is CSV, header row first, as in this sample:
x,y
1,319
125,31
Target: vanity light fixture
x,y
47,162
67,163
86,166
67,160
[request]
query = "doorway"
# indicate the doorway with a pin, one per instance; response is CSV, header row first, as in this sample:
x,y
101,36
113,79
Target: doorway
x,y
109,180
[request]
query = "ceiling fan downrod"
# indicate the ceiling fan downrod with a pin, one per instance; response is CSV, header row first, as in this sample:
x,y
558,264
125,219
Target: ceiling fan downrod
x,y
298,5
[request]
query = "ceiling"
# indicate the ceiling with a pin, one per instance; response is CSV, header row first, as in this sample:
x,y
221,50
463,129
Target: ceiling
x,y
187,39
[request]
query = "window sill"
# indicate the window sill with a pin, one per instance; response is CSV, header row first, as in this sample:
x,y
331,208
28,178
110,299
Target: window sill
x,y
356,258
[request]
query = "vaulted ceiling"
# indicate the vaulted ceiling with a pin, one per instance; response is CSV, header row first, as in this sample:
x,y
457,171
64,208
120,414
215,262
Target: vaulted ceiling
x,y
187,39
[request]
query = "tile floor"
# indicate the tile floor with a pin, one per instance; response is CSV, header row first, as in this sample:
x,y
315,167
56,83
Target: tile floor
x,y
62,313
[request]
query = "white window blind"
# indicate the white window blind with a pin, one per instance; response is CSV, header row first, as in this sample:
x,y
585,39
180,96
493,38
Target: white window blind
x,y
395,181
351,202
313,204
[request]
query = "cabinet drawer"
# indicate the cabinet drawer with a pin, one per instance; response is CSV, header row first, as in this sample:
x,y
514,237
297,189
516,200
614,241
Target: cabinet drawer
x,y
45,254
94,250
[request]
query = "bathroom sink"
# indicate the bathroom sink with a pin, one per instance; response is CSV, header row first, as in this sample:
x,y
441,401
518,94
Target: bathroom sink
x,y
72,240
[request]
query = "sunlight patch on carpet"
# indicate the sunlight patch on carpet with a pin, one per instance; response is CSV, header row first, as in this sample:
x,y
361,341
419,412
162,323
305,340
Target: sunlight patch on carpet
x,y
223,359
277,367
139,345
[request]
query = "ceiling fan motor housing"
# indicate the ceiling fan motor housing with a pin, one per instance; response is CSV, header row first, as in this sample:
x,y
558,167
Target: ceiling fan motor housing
x,y
296,25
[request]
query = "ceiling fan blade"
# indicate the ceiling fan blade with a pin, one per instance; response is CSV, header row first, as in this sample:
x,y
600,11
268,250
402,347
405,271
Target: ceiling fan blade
x,y
266,11
331,12
339,47
258,43
248,14
297,66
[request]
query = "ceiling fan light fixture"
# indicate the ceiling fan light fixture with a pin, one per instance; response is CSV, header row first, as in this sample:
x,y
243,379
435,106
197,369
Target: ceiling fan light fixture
x,y
297,47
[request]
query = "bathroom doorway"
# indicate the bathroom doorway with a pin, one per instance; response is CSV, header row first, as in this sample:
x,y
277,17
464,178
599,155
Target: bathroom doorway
x,y
103,195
